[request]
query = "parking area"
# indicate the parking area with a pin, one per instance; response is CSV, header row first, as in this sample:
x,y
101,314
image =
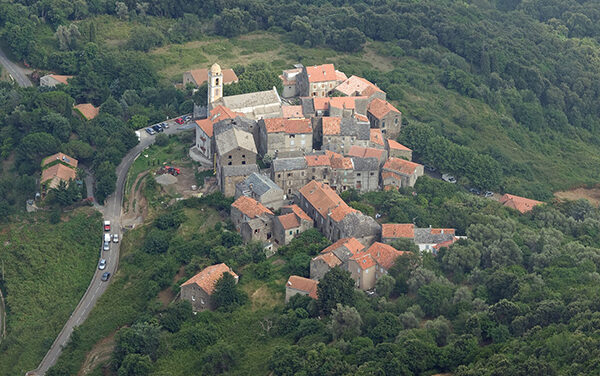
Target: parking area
x,y
180,122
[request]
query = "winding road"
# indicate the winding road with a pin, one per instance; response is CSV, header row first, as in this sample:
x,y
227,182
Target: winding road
x,y
112,212
19,74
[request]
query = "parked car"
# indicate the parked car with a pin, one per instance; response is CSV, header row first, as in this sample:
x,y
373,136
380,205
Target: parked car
x,y
107,237
475,191
105,276
106,246
157,128
116,238
102,264
106,225
179,121
164,125
449,178
187,118
430,168
488,194
150,131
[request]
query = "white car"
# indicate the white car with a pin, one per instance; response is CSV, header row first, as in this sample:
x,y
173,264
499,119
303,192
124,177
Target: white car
x,y
449,178
106,246
102,264
115,238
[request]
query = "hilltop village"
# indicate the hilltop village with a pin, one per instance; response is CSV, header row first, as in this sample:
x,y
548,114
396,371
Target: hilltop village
x,y
286,159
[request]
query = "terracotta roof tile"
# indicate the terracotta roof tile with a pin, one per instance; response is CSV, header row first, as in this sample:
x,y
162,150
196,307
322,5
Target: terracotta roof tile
x,y
364,260
398,230
317,160
401,166
340,162
61,78
361,118
356,85
57,173
289,221
290,126
447,243
364,152
352,244
60,157
443,231
397,146
250,207
200,76
340,76
216,115
325,200
521,204
292,112
299,212
88,110
344,102
321,73
303,284
377,136
385,255
209,276
330,259
379,108
331,125
321,104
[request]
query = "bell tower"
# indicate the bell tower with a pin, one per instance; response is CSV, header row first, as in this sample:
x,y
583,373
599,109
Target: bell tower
x,y
215,85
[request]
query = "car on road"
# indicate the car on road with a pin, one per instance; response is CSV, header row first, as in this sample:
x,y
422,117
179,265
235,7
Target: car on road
x,y
164,125
157,128
449,178
115,238
107,237
475,191
106,246
106,225
150,131
105,276
179,121
102,264
187,118
488,194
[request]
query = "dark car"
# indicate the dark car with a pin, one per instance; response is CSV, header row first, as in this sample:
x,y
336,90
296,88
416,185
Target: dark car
x,y
475,191
157,128
488,194
430,168
150,131
105,276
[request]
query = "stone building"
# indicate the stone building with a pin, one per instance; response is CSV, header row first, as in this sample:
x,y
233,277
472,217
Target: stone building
x,y
397,150
357,86
300,285
368,152
427,239
52,80
365,174
386,117
292,222
377,139
340,134
289,174
318,167
399,173
318,80
253,220
333,217
261,188
204,130
289,81
234,147
521,204
198,290
367,266
57,168
336,254
197,77
284,137
86,110
335,106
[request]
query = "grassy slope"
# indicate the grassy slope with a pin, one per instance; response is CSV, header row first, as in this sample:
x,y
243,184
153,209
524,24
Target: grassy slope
x,y
47,269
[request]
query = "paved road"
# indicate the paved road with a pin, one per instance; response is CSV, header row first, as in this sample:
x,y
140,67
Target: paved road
x,y
112,212
18,73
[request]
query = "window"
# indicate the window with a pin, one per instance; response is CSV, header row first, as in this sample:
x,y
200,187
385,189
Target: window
x,y
289,174
291,232
229,163
396,121
372,173
216,81
292,142
302,173
243,162
278,175
243,155
313,177
314,169
358,174
292,136
229,157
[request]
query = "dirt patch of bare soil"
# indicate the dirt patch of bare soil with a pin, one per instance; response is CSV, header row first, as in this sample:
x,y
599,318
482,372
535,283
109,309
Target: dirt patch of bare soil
x,y
590,194
136,208
99,354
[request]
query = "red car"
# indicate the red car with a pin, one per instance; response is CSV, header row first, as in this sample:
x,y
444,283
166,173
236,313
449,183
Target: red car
x,y
106,225
179,121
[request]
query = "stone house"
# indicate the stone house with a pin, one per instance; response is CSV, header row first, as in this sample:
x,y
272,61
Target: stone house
x,y
342,173
356,86
197,77
234,147
367,266
205,130
289,81
397,150
340,134
290,174
318,166
427,239
51,80
284,137
318,80
336,106
377,139
368,152
292,112
58,168
366,174
86,110
252,219
291,222
521,204
336,254
333,217
300,285
386,117
398,173
262,189
198,290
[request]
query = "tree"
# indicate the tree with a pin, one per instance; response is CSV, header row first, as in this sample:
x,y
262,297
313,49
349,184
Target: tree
x,y
157,241
111,107
175,315
106,179
135,365
385,285
227,294
161,139
336,286
141,338
345,322
121,10
219,358
68,37
434,298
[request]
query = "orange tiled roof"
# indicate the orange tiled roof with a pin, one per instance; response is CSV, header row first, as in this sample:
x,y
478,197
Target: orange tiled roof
x,y
326,201
317,160
364,260
521,204
88,110
361,118
321,103
396,145
299,212
209,276
60,157
356,85
340,162
292,112
352,244
331,125
364,152
344,102
289,221
385,255
216,115
321,73
397,230
443,231
56,173
401,165
379,108
330,259
303,284
61,78
275,125
389,174
250,207
340,76
447,243
377,136
200,76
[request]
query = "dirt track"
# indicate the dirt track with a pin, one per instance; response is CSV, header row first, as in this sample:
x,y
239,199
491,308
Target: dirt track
x,y
591,194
